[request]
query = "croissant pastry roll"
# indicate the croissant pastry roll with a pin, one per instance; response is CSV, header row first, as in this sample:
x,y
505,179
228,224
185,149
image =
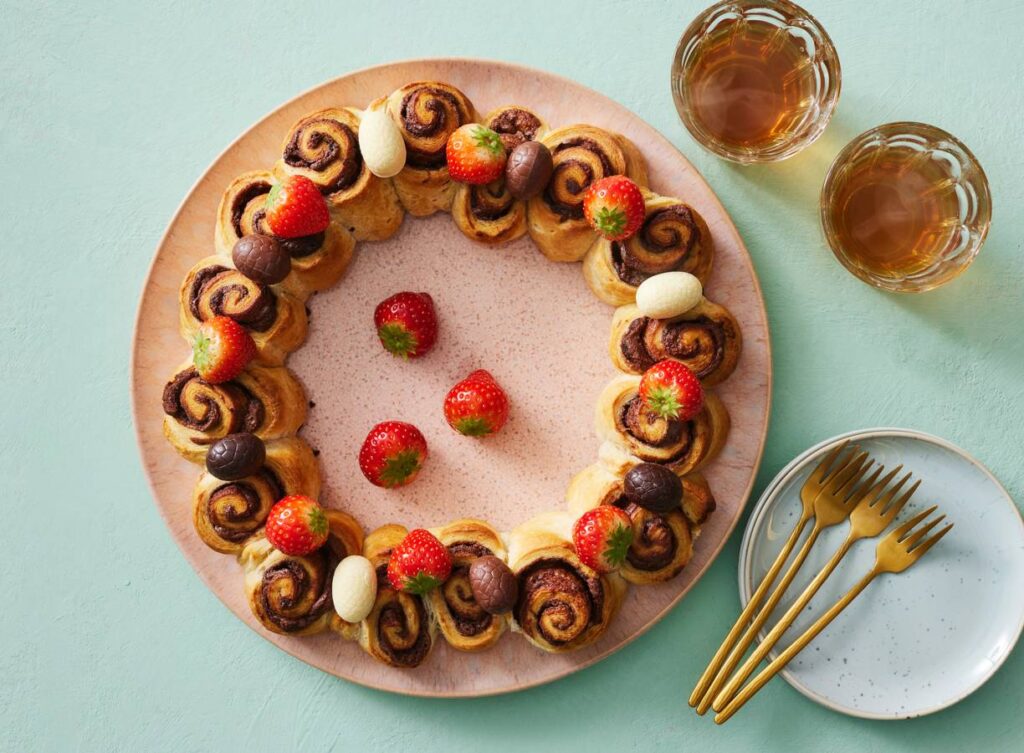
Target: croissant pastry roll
x,y
318,261
268,402
324,147
427,113
662,541
563,604
398,631
582,154
673,238
684,446
345,539
276,320
706,338
227,513
515,124
463,623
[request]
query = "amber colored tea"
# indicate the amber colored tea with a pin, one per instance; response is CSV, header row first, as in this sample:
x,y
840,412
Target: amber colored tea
x,y
895,211
751,84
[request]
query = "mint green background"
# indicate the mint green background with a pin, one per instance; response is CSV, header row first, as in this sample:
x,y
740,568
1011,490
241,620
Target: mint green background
x,y
108,113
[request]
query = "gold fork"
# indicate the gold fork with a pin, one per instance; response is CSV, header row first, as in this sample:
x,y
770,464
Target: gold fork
x,y
894,554
820,497
875,506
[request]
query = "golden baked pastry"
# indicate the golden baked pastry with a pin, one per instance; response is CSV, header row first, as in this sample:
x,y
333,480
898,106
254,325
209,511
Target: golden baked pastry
x,y
276,320
427,113
398,631
227,513
563,604
515,124
324,147
581,154
463,623
269,402
488,214
673,237
706,338
684,446
318,261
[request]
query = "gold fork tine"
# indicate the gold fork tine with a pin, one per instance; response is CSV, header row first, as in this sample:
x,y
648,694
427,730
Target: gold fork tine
x,y
834,463
920,533
894,555
848,475
896,506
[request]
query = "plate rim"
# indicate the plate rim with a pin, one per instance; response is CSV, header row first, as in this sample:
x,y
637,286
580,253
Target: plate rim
x,y
135,391
754,521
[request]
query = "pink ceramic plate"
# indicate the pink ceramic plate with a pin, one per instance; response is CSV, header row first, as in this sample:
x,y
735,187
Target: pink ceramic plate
x,y
531,321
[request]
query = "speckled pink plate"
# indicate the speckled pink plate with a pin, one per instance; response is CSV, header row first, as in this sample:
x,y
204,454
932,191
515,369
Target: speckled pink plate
x,y
533,323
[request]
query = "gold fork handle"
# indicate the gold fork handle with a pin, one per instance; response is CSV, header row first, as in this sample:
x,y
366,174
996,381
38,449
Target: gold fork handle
x,y
781,626
748,611
792,650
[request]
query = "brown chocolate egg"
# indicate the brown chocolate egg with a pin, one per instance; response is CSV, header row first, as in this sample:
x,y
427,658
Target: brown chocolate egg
x,y
261,258
494,585
528,170
236,456
653,487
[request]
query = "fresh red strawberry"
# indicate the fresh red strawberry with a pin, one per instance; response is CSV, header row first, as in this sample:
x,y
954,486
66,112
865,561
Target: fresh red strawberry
x,y
419,563
602,537
475,155
614,207
671,390
221,349
296,208
297,525
406,324
392,454
476,406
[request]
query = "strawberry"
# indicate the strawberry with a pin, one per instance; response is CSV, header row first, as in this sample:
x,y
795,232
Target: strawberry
x,y
475,155
221,349
296,208
419,563
406,324
602,537
670,390
392,454
297,525
614,207
476,406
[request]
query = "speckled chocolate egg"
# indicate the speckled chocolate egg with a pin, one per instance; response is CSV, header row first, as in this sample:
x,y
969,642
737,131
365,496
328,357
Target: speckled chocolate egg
x,y
261,258
528,169
653,487
236,456
494,585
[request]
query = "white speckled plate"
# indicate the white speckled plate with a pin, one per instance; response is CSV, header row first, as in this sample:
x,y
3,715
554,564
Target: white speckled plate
x,y
914,643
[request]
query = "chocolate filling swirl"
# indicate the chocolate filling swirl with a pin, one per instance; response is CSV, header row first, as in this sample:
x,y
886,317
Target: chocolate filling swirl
x,y
557,602
428,116
654,542
514,125
664,243
652,429
296,591
328,147
578,162
470,619
221,291
214,409
699,343
490,202
237,509
249,217
402,632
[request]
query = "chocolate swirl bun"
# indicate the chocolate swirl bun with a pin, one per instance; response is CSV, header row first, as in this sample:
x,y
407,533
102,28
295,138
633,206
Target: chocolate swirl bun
x,y
515,124
288,594
268,402
276,320
324,147
398,631
488,214
683,446
318,261
582,154
227,513
463,623
427,113
706,338
673,237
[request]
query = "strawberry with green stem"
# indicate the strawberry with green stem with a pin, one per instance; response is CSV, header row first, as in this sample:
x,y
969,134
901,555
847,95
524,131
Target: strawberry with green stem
x,y
614,207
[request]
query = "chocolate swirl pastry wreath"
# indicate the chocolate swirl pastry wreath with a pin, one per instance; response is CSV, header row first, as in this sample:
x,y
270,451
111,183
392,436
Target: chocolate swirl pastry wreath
x,y
244,430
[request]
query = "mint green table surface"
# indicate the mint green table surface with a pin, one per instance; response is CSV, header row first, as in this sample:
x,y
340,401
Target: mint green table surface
x,y
108,114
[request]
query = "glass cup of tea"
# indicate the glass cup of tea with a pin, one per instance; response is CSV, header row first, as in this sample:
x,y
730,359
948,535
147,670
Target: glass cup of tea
x,y
905,207
755,81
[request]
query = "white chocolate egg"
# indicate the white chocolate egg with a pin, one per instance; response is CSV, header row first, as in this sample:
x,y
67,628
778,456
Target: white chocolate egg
x,y
354,588
668,295
381,144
